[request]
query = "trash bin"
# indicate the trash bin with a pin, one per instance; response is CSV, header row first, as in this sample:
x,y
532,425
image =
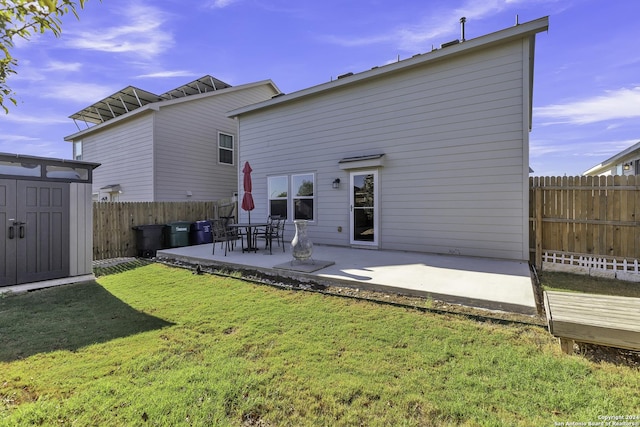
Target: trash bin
x,y
149,239
200,233
177,234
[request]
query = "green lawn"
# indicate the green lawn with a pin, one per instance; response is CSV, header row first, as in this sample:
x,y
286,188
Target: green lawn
x,y
159,346
588,284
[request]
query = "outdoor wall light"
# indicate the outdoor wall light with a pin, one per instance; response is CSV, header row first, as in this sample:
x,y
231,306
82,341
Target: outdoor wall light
x,y
626,166
336,183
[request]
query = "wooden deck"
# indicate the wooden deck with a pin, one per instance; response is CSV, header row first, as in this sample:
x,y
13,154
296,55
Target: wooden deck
x,y
598,319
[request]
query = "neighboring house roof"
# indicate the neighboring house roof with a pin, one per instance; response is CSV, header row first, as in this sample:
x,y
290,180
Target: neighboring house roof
x,y
613,161
151,102
448,51
131,98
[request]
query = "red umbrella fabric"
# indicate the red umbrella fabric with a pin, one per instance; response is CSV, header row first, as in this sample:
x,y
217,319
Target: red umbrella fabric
x,y
247,199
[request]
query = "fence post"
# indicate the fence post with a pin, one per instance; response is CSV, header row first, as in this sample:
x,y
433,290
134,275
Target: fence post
x,y
538,216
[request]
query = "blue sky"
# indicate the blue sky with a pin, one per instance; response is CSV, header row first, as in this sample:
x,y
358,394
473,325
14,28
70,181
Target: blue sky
x,y
587,75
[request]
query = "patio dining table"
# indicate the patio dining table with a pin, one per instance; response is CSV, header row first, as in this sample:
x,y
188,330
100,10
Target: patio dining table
x,y
248,226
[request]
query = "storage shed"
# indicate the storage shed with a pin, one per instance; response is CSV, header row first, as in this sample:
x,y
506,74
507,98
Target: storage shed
x,y
47,219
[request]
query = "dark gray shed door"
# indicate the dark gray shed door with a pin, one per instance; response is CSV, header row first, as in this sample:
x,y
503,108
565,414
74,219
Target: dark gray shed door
x,y
34,242
7,233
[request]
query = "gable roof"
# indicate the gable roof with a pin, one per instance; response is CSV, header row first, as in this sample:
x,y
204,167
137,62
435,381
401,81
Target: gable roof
x,y
612,161
519,31
151,102
131,98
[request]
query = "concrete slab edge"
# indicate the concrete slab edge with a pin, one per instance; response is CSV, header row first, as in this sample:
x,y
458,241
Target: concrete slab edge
x,y
308,278
27,287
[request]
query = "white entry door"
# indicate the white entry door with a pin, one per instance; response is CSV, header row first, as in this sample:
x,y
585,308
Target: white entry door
x,y
364,207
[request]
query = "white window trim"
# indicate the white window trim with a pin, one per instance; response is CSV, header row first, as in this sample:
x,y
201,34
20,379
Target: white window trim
x,y
291,198
232,149
75,149
288,200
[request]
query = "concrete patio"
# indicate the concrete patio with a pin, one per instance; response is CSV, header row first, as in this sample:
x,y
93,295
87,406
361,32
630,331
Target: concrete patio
x,y
478,282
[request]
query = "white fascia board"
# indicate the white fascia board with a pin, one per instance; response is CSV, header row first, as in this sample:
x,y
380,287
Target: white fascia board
x,y
594,170
612,161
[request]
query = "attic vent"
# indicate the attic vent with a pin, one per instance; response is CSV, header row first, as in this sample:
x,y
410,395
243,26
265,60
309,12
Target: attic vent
x,y
451,43
345,75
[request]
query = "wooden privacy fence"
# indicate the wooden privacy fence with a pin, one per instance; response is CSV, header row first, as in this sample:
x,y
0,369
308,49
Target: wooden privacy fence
x,y
585,215
113,222
569,216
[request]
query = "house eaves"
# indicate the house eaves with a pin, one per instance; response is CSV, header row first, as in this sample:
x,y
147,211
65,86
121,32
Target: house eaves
x,y
612,161
156,106
519,31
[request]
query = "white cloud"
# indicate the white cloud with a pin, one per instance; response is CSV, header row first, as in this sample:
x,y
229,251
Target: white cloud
x,y
31,71
163,74
87,93
63,66
614,104
598,149
144,35
34,147
561,157
219,4
34,119
439,23
17,138
540,148
603,149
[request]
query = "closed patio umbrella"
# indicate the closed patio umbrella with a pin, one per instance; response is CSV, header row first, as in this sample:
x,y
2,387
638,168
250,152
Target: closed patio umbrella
x,y
247,199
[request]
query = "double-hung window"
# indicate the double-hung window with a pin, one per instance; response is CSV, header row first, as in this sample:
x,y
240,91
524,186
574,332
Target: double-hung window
x,y
302,196
292,196
225,148
278,195
77,150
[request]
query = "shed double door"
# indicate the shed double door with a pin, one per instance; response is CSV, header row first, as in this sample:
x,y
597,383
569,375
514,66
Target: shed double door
x,y
34,238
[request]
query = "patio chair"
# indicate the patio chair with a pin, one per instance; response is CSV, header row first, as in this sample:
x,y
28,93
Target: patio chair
x,y
278,232
274,230
221,234
234,233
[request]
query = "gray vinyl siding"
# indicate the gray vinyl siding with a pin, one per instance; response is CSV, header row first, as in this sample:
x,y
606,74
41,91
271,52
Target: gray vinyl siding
x,y
187,146
454,135
125,152
166,151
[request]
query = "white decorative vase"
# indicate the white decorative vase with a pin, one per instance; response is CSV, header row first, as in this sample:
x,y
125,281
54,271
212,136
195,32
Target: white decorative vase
x,y
301,246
